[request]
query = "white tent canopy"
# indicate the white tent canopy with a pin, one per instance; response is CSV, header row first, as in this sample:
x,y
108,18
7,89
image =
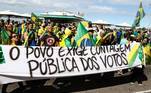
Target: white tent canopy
x,y
124,24
67,13
101,22
8,12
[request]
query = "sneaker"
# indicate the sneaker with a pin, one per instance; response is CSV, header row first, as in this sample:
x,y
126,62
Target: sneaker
x,y
132,83
87,80
55,86
60,83
140,84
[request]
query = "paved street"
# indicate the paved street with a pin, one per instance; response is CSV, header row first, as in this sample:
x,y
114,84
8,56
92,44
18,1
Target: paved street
x,y
89,84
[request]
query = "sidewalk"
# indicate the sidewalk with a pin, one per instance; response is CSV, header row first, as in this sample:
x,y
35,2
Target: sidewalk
x,y
96,84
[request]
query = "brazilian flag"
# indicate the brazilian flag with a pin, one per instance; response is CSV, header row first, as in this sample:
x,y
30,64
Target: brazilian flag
x,y
66,42
139,16
35,18
82,34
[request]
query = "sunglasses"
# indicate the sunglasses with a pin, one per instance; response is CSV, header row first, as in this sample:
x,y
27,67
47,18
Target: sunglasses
x,y
14,36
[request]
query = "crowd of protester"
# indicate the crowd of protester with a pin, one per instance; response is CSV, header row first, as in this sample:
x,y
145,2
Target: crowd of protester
x,y
47,33
51,34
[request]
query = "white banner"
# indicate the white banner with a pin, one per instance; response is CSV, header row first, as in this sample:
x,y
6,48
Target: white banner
x,y
23,63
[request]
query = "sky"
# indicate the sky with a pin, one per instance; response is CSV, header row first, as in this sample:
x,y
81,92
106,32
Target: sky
x,y
109,11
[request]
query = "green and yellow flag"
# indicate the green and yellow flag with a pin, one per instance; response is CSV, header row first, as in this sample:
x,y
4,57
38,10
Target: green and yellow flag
x,y
65,42
136,50
34,18
85,24
81,34
139,16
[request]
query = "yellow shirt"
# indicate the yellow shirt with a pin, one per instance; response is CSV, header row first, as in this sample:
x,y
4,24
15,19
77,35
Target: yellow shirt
x,y
23,28
41,31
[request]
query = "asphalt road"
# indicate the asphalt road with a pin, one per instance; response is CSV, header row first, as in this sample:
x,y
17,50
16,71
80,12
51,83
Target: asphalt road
x,y
88,84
